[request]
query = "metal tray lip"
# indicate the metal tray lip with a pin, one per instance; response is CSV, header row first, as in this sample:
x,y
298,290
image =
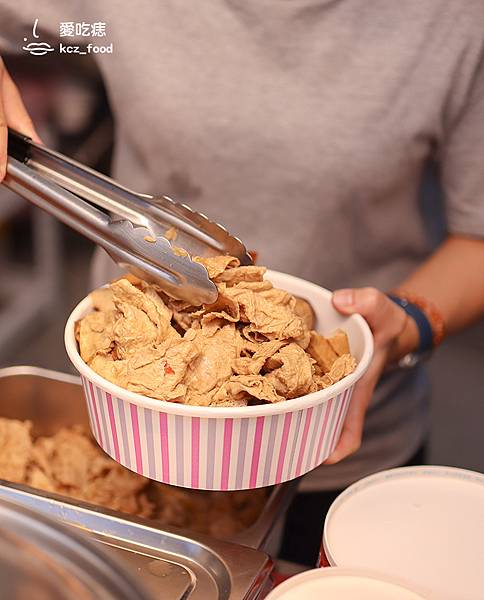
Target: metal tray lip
x,y
252,536
75,505
102,512
27,370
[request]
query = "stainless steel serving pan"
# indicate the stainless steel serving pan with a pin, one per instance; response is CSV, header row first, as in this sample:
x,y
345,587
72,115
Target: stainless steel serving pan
x,y
171,565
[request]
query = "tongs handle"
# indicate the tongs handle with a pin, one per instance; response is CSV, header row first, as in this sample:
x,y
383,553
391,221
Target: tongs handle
x,y
140,209
36,174
68,208
52,198
78,179
61,186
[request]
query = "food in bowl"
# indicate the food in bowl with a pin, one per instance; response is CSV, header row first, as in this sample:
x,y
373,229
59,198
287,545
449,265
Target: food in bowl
x,y
71,464
254,345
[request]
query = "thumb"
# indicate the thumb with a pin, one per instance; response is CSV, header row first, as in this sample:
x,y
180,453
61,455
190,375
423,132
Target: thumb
x,y
344,301
368,302
385,318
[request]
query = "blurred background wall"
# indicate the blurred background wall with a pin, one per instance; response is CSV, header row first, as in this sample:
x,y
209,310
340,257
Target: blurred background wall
x,y
44,266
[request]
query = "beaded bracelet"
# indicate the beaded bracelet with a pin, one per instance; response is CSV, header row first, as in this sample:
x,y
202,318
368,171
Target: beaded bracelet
x,y
431,312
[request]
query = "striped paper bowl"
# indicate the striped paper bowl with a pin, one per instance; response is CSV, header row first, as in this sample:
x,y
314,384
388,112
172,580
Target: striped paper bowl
x,y
224,448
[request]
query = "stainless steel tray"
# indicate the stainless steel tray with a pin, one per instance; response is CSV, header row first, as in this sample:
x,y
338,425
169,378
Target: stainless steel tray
x,y
170,565
53,400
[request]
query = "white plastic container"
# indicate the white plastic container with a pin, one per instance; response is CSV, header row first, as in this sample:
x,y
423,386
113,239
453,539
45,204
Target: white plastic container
x,y
336,583
225,448
424,525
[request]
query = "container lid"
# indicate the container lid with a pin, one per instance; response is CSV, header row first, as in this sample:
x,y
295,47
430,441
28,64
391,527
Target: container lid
x,y
424,525
338,583
39,558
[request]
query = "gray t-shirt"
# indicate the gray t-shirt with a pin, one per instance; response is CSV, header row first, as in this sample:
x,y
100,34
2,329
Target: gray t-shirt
x,y
304,127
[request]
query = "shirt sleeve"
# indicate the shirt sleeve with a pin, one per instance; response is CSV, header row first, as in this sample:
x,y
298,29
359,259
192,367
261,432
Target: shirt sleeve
x,y
462,161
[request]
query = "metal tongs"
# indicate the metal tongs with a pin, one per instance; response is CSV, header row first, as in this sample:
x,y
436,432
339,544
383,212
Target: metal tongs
x,y
130,226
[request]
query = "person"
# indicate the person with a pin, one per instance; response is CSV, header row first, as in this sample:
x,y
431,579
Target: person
x,y
305,128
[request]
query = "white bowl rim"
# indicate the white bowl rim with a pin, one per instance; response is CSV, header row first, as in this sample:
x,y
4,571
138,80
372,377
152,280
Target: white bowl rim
x,y
333,571
240,412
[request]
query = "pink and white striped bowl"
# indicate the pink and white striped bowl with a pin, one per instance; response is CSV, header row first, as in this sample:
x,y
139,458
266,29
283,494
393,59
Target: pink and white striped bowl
x,y
224,448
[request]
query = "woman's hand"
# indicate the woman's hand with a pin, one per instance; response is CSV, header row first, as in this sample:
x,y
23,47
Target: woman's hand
x,y
395,334
12,114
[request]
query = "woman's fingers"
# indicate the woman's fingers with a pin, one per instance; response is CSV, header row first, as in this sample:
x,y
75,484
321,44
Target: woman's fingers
x,y
3,129
12,114
351,434
15,112
387,321
385,318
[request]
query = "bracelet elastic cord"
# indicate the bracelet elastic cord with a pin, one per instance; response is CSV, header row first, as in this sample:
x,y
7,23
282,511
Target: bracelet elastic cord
x,y
423,324
430,310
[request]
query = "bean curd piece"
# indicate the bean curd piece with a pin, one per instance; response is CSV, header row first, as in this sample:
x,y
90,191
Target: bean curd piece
x,y
294,376
241,274
96,334
304,310
339,342
15,449
342,366
171,234
322,352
